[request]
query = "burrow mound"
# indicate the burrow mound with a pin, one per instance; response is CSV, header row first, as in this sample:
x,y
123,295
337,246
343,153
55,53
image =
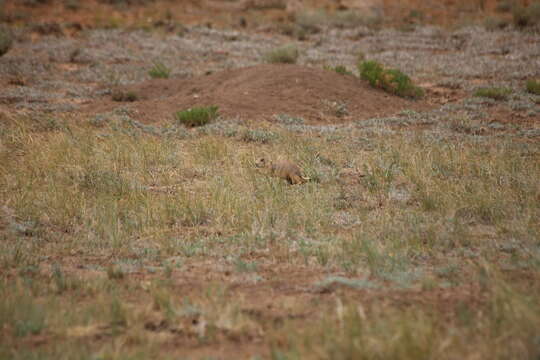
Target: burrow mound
x,y
262,91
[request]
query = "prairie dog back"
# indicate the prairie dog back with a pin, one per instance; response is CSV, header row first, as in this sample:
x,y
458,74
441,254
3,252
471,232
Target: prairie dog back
x,y
283,169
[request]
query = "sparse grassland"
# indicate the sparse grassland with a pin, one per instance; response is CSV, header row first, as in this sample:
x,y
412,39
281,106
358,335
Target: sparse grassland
x,y
286,54
391,80
197,116
420,220
129,231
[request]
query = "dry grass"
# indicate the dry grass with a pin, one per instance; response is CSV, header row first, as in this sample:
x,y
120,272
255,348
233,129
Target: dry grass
x,y
89,210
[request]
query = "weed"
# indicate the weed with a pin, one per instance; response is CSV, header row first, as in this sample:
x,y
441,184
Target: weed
x,y
526,16
495,93
348,19
197,116
390,80
6,40
159,71
286,119
118,316
311,21
258,136
20,312
115,272
493,23
337,108
72,5
243,266
340,69
286,54
533,86
504,5
293,30
124,96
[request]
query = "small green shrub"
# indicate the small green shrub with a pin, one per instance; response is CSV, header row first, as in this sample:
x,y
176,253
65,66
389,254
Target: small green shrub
x,y
197,116
124,96
340,69
391,80
287,54
495,93
6,41
159,71
533,86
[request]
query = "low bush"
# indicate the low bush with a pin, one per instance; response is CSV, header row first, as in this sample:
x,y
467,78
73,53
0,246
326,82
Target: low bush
x,y
197,116
390,80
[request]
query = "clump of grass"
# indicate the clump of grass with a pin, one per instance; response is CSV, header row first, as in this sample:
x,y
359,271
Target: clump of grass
x,y
504,6
311,21
293,30
495,93
495,23
6,40
124,96
258,136
197,116
287,54
348,19
390,80
340,69
159,71
533,86
72,5
526,16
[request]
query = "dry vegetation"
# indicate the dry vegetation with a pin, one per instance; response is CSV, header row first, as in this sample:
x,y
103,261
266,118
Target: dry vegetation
x,y
418,236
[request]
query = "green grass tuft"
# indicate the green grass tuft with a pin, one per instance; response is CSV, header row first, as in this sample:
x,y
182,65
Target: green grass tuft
x,y
533,86
197,116
340,69
159,71
390,80
495,93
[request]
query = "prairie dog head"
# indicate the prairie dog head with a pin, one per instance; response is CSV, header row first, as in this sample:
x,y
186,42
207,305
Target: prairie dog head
x,y
261,162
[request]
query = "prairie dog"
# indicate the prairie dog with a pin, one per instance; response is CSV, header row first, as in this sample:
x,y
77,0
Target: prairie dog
x,y
283,169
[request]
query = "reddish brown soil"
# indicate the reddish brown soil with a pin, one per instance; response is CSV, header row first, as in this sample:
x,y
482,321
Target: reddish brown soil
x,y
221,13
261,91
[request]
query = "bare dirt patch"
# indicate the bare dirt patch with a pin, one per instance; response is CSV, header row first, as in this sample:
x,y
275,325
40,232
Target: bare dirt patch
x,y
263,91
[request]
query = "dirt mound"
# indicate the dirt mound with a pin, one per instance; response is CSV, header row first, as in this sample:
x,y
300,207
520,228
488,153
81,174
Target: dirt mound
x,y
261,91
